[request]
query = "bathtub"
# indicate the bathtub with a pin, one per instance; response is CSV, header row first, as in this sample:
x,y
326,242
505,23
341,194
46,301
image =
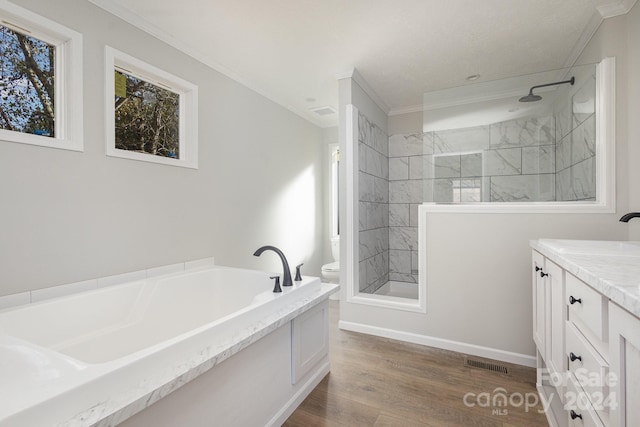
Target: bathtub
x,y
97,357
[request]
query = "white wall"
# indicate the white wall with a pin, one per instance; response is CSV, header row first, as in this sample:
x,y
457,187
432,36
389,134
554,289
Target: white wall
x,y
478,278
69,216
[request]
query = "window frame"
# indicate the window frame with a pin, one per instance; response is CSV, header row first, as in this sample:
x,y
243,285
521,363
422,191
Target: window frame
x,y
188,108
334,177
68,78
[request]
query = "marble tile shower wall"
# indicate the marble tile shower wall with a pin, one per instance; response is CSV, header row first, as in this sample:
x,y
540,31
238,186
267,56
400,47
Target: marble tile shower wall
x,y
408,166
373,176
509,161
576,148
520,163
504,162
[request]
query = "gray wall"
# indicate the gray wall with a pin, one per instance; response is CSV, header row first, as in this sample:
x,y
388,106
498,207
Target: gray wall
x,y
632,109
69,216
620,37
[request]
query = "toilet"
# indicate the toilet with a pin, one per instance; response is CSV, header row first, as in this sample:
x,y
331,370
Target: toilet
x,y
331,271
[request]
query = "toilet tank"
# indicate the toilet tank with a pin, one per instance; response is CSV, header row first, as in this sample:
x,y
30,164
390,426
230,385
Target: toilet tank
x,y
335,247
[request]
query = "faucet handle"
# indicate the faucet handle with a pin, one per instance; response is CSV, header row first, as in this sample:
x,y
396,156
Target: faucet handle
x,y
298,276
276,287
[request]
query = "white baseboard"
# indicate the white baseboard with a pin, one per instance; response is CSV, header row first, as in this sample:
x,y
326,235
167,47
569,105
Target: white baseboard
x,y
285,412
460,347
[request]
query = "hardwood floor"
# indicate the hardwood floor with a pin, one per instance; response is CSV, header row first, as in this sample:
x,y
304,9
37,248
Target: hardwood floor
x,y
386,383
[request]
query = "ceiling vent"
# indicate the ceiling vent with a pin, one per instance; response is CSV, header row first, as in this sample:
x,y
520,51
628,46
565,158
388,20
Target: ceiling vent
x,y
323,111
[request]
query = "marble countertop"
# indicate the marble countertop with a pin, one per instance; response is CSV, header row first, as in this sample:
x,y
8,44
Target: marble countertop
x,y
611,268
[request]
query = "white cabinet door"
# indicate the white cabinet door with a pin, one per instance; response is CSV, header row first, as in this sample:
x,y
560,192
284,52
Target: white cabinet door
x,y
557,315
539,302
624,353
309,340
549,311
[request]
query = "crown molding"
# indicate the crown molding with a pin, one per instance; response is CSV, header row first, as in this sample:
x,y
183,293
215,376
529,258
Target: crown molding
x,y
155,31
353,74
587,33
605,10
344,74
357,77
616,8
602,12
407,110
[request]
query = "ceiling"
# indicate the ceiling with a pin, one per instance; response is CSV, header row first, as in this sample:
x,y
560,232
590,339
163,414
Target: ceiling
x,y
293,51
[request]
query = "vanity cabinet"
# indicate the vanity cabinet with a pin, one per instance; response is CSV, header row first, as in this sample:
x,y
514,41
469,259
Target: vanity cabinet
x,y
624,333
588,349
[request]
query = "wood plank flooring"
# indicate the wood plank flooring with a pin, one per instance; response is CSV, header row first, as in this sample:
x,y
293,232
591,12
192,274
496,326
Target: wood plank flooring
x,y
386,383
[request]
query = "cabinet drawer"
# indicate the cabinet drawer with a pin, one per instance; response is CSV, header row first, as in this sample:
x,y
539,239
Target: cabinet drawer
x,y
587,310
580,413
589,369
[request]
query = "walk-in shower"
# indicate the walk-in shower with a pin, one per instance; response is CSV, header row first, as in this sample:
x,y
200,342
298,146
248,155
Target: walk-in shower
x,y
483,145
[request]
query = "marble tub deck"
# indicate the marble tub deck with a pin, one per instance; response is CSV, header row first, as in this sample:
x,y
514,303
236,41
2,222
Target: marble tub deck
x,y
110,411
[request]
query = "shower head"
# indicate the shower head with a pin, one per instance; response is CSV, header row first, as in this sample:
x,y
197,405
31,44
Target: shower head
x,y
530,98
533,98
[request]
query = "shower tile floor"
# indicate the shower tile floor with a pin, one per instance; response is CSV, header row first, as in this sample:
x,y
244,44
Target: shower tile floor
x,y
399,289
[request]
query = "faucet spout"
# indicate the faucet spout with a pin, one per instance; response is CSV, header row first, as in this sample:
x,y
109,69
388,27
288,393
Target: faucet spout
x,y
286,275
630,215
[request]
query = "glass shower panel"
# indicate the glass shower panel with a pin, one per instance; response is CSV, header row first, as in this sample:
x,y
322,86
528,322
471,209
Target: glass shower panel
x,y
481,145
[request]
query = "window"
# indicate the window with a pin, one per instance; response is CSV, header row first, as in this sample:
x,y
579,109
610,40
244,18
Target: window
x,y
27,71
40,80
152,115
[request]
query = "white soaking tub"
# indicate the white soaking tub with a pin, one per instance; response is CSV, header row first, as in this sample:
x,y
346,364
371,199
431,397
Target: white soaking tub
x,y
98,357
